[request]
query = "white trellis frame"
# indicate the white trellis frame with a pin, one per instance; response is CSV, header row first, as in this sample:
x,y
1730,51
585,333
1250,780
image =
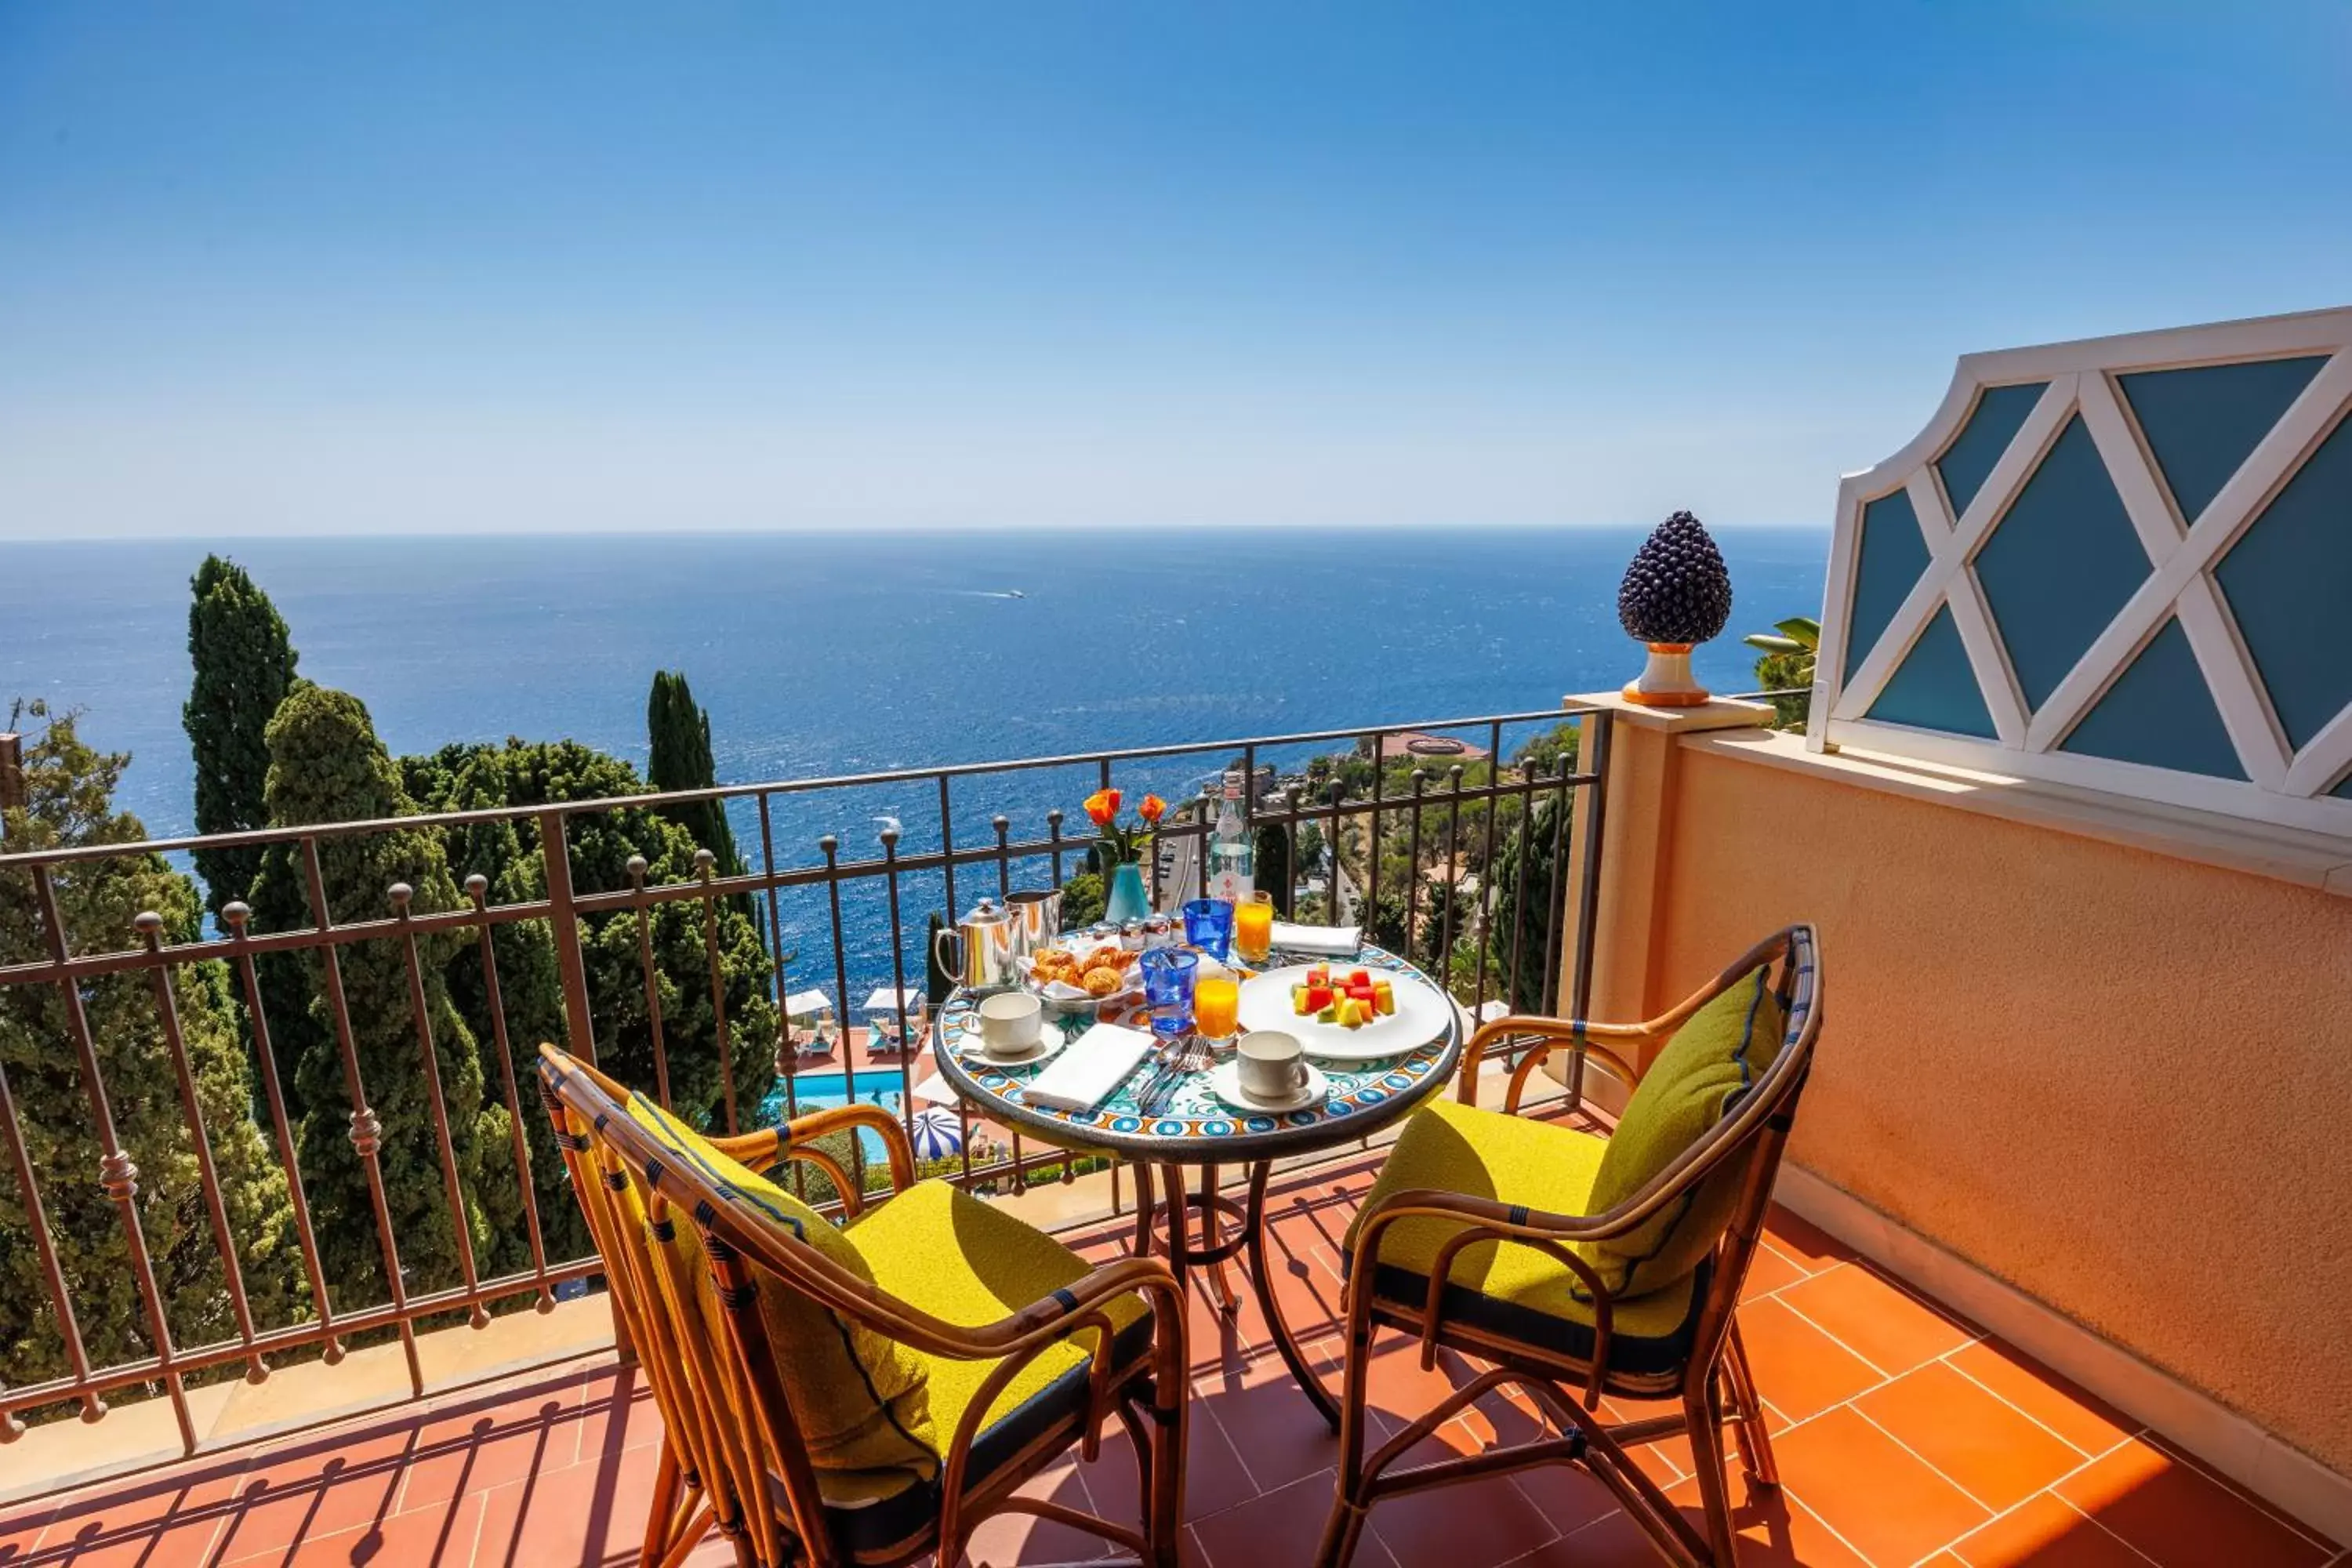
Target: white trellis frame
x,y
2287,787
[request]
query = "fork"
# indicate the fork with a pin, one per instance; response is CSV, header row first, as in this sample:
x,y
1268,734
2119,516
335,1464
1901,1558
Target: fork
x,y
1162,1059
1195,1058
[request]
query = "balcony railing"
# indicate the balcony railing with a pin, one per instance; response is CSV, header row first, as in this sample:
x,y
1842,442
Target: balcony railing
x,y
373,990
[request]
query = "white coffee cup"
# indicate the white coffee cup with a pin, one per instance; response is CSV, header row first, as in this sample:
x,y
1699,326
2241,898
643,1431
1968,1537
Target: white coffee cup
x,y
1272,1066
1008,1024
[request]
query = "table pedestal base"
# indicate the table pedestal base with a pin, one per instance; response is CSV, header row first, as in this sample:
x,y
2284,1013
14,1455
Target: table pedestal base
x,y
1215,1250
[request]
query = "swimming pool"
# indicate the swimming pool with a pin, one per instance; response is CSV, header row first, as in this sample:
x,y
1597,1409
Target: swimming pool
x,y
822,1090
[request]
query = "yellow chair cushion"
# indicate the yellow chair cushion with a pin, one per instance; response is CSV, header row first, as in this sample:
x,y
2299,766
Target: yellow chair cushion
x,y
1506,1287
961,1260
1718,1052
858,1396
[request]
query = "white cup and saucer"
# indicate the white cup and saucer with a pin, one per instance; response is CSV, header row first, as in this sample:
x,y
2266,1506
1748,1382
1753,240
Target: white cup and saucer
x,y
1269,1072
1012,1029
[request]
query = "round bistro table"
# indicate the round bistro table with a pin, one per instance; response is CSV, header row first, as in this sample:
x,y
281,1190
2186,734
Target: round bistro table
x,y
1191,1127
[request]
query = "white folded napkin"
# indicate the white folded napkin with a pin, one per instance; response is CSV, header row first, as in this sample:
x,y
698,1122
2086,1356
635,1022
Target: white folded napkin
x,y
1332,941
1093,1065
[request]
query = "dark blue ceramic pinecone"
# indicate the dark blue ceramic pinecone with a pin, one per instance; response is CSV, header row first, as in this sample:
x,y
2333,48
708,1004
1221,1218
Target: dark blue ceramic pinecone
x,y
1676,589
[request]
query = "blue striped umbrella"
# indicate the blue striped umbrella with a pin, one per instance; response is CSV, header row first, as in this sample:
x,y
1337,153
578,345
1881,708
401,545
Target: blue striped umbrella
x,y
937,1133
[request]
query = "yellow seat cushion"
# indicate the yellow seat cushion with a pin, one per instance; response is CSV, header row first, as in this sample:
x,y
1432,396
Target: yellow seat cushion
x,y
966,1262
1709,1062
859,1398
1509,1289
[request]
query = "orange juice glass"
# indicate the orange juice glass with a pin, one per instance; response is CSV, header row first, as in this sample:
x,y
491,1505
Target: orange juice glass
x,y
1216,1006
1254,927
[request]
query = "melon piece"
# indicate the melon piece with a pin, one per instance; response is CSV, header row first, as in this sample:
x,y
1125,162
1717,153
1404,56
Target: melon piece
x,y
1384,997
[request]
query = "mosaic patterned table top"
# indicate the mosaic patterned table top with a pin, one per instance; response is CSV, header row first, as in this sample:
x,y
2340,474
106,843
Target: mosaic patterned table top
x,y
1192,1123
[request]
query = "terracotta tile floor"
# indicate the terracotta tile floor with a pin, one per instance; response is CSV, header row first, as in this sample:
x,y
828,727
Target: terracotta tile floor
x,y
1905,1437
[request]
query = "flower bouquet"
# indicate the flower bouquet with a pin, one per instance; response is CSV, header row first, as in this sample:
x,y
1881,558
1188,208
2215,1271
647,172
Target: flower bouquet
x,y
1122,846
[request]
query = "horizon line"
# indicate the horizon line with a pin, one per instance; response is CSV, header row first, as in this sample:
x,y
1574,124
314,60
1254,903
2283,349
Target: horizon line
x,y
870,530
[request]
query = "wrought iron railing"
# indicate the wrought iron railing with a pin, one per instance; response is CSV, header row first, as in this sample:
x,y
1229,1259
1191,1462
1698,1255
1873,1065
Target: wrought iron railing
x,y
838,906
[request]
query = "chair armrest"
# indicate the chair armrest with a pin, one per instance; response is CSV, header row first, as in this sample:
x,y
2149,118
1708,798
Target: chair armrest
x,y
793,1141
1022,1336
1572,1032
1483,1219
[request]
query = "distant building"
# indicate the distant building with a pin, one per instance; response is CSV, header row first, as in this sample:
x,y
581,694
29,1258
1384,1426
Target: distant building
x,y
1411,745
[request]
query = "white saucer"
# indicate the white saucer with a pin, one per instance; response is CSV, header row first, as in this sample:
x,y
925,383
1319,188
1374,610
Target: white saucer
x,y
972,1051
1225,1083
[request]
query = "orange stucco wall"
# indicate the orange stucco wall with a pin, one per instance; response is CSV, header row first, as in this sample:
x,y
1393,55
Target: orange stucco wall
x,y
2119,1081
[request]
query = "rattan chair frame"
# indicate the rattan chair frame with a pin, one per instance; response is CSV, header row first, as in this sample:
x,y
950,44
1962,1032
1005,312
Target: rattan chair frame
x,y
1715,1385
730,1439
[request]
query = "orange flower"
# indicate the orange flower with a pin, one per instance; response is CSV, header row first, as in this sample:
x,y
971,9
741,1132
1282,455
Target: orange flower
x,y
1152,807
1102,806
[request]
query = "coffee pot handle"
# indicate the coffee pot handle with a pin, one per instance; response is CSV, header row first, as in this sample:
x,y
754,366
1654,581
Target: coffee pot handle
x,y
955,969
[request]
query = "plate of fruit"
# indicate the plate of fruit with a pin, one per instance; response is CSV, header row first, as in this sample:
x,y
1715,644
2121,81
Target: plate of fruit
x,y
1343,1012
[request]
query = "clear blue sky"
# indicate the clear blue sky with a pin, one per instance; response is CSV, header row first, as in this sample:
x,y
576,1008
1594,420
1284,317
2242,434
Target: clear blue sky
x,y
343,268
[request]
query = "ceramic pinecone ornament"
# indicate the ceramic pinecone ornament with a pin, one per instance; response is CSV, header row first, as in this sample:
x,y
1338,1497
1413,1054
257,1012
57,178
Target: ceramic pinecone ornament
x,y
1675,595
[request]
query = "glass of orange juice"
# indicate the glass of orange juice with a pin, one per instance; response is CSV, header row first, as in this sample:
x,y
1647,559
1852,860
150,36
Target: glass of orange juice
x,y
1254,927
1216,1006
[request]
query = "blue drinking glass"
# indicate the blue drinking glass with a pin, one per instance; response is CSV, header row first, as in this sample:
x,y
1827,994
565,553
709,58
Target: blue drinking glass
x,y
1209,926
1168,989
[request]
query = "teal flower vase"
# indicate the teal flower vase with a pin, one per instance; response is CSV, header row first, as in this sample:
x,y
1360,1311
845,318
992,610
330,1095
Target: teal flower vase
x,y
1127,900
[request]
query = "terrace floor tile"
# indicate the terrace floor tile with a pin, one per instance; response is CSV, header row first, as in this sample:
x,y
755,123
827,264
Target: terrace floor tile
x,y
1904,1442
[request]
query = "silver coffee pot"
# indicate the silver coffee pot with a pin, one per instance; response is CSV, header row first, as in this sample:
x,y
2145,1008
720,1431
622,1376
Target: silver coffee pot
x,y
986,950
1036,919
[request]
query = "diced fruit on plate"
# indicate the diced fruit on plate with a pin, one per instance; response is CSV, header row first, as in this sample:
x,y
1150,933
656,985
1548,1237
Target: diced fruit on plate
x,y
1351,1003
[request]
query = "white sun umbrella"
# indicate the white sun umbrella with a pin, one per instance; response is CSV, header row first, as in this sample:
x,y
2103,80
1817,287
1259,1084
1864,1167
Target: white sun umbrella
x,y
938,1133
807,1004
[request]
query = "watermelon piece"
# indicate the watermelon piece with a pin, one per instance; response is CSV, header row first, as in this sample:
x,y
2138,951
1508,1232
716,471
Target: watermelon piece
x,y
1360,977
1319,998
1319,975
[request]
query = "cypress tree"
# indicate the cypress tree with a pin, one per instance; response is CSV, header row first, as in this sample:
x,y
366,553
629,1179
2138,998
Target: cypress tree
x,y
679,733
244,667
527,773
327,765
69,803
938,983
1524,919
1272,865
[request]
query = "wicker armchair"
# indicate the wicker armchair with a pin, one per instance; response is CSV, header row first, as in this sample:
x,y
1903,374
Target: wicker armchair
x,y
1482,1236
967,1350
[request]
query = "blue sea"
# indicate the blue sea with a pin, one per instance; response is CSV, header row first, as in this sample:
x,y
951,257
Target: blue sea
x,y
821,655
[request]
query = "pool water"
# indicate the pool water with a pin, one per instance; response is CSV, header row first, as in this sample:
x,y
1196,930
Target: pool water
x,y
823,1091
